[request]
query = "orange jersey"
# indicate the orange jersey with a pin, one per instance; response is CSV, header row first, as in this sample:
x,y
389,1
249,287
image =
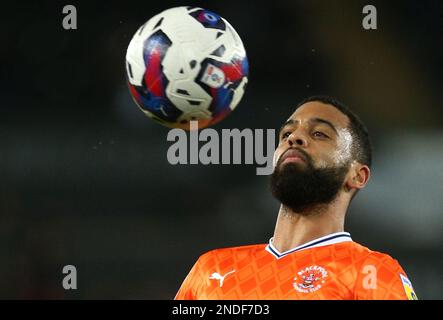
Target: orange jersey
x,y
332,267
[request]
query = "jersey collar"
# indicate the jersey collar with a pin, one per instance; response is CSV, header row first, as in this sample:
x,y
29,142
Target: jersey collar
x,y
323,241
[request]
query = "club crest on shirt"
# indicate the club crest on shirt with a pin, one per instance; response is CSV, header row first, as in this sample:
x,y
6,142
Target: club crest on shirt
x,y
310,279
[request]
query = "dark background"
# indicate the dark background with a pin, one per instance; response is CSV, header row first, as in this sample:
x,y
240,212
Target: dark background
x,y
84,175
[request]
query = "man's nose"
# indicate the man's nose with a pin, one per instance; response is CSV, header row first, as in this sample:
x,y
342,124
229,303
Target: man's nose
x,y
297,138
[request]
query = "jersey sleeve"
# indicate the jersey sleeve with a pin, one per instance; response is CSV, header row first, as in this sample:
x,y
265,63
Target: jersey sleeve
x,y
189,288
382,278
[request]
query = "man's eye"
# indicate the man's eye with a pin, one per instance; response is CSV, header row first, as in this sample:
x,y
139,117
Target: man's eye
x,y
286,135
319,134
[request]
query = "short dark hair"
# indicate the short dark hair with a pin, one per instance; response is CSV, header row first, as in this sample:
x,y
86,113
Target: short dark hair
x,y
361,149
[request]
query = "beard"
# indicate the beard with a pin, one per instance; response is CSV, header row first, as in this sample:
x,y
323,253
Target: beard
x,y
301,186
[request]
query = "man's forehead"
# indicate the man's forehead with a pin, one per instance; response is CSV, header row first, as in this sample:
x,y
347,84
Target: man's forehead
x,y
315,109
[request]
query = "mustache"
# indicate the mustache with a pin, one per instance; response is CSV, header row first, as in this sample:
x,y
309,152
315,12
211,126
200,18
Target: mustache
x,y
304,154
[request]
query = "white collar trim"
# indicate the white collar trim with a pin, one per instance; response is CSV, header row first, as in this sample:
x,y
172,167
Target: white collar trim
x,y
323,241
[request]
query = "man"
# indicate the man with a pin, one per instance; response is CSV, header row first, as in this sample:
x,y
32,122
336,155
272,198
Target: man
x,y
322,160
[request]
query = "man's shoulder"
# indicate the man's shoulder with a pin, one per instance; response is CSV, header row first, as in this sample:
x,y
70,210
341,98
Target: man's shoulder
x,y
237,251
372,256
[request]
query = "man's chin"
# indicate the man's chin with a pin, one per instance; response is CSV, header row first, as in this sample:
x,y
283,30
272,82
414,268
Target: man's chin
x,y
289,164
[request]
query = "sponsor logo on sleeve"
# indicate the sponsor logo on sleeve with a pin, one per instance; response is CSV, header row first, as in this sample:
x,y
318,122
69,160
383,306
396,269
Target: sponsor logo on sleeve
x,y
407,285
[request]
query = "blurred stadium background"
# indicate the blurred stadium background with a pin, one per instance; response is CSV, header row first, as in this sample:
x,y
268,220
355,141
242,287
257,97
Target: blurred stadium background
x,y
84,175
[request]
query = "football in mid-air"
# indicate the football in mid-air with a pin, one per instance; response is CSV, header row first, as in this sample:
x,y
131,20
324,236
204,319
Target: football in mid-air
x,y
185,64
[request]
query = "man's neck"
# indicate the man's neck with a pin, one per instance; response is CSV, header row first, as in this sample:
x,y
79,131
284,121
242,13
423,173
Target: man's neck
x,y
294,229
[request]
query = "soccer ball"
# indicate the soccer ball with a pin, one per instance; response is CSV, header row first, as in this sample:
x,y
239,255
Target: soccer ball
x,y
185,64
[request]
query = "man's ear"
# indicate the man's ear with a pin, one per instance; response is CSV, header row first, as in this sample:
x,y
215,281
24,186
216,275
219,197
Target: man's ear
x,y
358,176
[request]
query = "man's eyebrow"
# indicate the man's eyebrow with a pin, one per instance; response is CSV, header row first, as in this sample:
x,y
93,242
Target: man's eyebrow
x,y
290,121
314,120
326,122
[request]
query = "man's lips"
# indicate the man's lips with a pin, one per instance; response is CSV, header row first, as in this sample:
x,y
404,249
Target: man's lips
x,y
293,155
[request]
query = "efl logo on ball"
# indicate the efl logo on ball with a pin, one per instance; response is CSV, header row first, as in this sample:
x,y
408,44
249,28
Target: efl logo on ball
x,y
213,76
